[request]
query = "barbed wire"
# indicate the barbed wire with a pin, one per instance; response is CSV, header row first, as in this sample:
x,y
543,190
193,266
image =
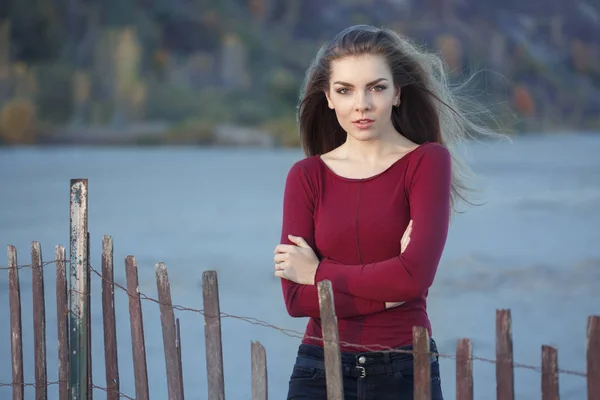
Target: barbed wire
x,y
286,331
34,385
43,264
121,395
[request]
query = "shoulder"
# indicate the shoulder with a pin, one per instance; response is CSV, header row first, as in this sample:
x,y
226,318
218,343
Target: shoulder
x,y
430,153
304,175
302,182
431,160
306,168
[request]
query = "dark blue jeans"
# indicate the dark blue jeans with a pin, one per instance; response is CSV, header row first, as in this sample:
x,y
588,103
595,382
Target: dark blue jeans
x,y
366,376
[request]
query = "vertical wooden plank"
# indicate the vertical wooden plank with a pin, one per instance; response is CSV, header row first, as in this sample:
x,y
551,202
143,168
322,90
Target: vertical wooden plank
x,y
167,319
78,346
39,322
111,361
464,370
62,323
16,331
259,372
88,330
593,357
549,373
331,342
422,365
505,389
179,358
212,332
138,345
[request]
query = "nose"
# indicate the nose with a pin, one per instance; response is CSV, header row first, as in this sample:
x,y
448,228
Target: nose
x,y
363,102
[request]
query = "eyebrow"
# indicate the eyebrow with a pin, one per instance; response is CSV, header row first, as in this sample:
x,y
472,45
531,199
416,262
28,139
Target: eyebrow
x,y
351,85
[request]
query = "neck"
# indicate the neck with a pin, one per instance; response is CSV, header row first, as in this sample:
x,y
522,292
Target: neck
x,y
372,151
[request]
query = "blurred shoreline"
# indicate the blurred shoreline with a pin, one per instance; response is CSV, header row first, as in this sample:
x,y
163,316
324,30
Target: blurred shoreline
x,y
201,73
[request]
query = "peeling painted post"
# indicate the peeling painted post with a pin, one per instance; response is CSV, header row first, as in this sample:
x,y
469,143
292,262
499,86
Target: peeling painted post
x,y
78,288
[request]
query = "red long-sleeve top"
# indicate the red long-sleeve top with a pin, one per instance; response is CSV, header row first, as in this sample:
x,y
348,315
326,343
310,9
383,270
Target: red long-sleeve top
x,y
355,227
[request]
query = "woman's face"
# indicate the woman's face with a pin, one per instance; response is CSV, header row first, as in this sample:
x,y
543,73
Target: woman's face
x,y
362,94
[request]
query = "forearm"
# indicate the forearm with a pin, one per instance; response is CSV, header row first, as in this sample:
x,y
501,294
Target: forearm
x,y
385,281
410,274
303,301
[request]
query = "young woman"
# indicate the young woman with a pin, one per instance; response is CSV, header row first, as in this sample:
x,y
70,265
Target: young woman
x,y
369,207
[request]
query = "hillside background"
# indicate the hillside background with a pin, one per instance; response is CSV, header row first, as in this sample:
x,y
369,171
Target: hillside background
x,y
229,71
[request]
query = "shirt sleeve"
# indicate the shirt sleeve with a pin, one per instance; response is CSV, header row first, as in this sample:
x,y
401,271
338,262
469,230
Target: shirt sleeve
x,y
410,274
303,300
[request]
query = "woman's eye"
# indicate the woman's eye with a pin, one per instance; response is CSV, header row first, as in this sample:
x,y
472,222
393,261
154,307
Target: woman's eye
x,y
342,91
379,88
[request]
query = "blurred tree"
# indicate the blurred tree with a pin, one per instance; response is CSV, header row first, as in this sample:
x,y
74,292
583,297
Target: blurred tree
x,y
451,51
129,90
4,59
18,122
523,101
39,30
579,56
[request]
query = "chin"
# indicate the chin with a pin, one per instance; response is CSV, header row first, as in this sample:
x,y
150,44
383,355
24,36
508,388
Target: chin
x,y
363,135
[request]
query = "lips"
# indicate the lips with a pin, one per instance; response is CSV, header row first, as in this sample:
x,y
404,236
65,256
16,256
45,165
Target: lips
x,y
363,123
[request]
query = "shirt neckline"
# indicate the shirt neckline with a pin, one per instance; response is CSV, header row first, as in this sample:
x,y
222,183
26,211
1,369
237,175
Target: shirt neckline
x,y
368,178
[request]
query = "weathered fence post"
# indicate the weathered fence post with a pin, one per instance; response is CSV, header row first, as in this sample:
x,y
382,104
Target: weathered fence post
x,y
78,328
331,342
138,345
179,357
16,331
88,313
593,357
549,373
464,370
422,365
39,322
259,372
212,332
167,318
111,360
62,322
505,389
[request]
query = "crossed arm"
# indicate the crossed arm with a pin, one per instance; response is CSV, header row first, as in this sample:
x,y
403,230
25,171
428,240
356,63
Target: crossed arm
x,y
365,289
303,300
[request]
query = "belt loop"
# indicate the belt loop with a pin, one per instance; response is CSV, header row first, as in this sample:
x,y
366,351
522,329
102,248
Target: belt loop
x,y
387,362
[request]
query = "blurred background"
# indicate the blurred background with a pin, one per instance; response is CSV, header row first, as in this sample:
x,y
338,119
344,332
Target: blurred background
x,y
182,116
206,71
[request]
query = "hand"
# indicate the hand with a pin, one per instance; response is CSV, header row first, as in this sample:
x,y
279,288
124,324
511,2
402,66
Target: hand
x,y
406,237
403,245
297,263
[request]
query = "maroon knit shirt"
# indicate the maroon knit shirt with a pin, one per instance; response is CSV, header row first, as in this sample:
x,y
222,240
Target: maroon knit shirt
x,y
355,227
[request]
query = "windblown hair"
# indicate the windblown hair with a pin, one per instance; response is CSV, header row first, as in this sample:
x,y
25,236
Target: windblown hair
x,y
429,111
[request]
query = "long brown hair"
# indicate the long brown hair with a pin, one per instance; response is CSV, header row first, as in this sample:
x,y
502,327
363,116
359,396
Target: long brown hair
x,y
428,112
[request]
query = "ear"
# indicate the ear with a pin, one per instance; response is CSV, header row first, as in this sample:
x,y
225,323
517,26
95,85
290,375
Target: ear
x,y
329,102
397,94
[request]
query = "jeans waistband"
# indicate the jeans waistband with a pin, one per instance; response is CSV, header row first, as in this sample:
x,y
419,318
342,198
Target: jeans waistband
x,y
360,365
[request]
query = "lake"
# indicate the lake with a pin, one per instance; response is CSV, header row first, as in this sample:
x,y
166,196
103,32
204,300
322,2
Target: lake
x,y
531,247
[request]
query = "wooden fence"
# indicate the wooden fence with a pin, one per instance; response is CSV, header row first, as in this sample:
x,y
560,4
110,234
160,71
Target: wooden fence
x,y
75,332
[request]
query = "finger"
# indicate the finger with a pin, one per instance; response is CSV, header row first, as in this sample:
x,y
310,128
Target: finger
x,y
408,231
299,241
405,236
279,267
283,248
281,257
